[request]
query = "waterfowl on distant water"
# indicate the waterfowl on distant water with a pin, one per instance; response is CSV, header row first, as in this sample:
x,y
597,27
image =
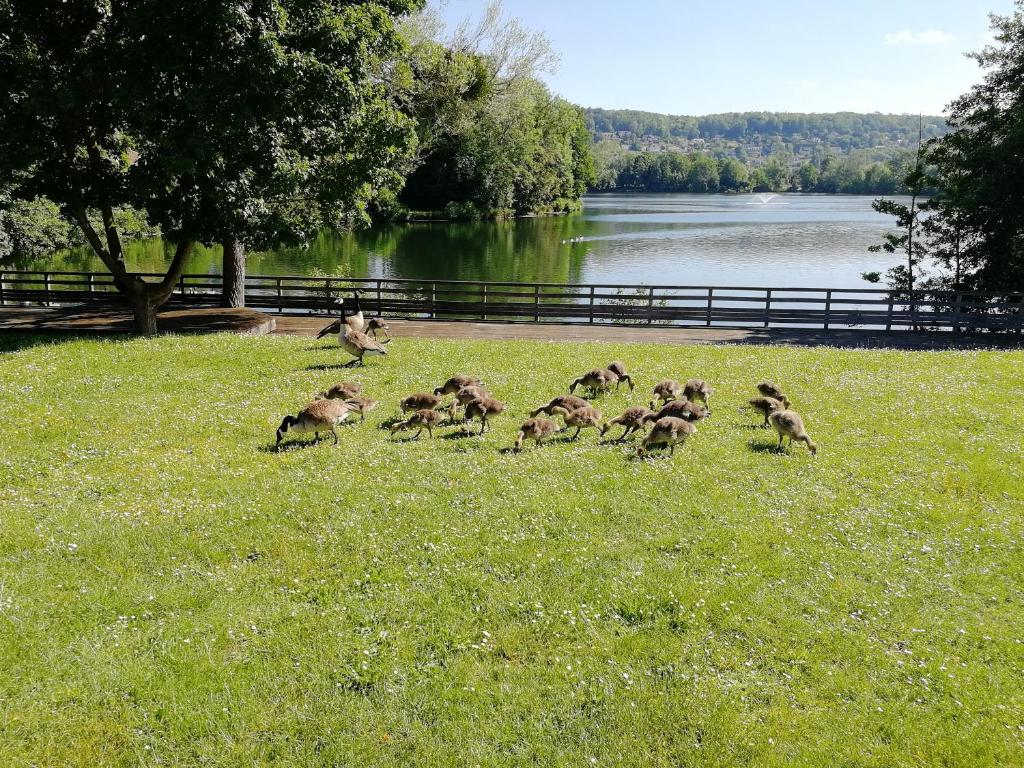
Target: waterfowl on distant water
x,y
319,416
667,433
537,430
424,418
634,419
790,424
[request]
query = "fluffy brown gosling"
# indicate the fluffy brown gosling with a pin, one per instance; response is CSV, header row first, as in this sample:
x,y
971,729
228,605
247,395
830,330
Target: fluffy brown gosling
x,y
698,390
586,417
680,409
343,390
419,401
455,383
766,406
376,325
425,418
362,405
790,424
319,416
619,369
597,380
464,397
667,433
633,420
483,408
537,430
569,402
666,391
770,389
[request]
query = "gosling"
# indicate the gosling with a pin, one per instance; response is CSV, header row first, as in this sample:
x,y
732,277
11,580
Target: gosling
x,y
425,418
766,406
633,420
770,389
569,402
419,402
582,418
319,416
665,391
619,369
483,408
464,397
667,433
343,390
537,430
698,390
455,383
790,424
679,409
376,324
361,405
597,381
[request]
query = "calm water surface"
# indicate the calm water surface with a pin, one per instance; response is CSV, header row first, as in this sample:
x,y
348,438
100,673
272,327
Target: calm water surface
x,y
752,240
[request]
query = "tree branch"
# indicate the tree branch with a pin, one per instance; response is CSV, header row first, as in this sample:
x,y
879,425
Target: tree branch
x,y
109,230
116,266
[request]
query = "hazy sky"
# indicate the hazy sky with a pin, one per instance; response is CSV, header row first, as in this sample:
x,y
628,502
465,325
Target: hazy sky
x,y
698,57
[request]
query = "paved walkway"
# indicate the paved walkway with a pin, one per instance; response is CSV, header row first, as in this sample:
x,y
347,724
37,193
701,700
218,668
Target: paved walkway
x,y
116,319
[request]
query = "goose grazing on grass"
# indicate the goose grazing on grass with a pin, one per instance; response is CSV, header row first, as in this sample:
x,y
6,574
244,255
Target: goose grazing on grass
x,y
666,391
424,418
569,402
790,424
667,433
770,389
698,390
597,380
374,325
464,397
319,416
351,318
343,390
633,420
359,345
582,418
537,430
619,369
419,401
455,383
680,409
483,408
767,406
361,405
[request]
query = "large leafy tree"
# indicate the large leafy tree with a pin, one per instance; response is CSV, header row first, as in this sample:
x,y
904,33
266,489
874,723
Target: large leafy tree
x,y
225,121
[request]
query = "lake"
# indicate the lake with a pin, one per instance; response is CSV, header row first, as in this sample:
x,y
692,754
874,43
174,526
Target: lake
x,y
752,240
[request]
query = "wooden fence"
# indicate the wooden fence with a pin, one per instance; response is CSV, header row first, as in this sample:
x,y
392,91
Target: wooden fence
x,y
711,306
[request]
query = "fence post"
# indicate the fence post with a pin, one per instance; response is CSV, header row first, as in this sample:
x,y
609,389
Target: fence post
x,y
828,308
957,308
92,284
711,301
2,299
650,305
536,303
767,307
46,288
280,298
330,297
591,305
378,299
483,304
433,301
888,325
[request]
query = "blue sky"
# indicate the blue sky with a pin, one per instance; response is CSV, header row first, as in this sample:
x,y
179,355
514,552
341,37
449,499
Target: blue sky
x,y
690,57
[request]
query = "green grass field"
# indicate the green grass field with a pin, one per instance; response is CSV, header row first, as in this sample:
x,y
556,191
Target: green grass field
x,y
174,592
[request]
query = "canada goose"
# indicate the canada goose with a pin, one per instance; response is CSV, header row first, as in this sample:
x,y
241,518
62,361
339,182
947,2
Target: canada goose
x,y
537,430
633,420
698,390
597,380
569,402
419,401
619,369
769,389
351,318
455,383
665,391
767,406
425,418
484,408
464,397
343,390
319,416
680,409
581,418
359,344
375,324
667,432
362,405
790,424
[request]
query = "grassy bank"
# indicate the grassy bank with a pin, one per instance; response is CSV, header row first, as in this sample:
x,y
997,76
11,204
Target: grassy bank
x,y
175,592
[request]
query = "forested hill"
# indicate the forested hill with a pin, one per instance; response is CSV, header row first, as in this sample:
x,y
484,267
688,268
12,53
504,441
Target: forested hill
x,y
755,134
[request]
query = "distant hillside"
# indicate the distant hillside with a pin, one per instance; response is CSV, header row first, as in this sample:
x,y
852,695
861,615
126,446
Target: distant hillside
x,y
752,135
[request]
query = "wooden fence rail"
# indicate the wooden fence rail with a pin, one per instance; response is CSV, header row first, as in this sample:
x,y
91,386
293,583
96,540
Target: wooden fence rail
x,y
679,305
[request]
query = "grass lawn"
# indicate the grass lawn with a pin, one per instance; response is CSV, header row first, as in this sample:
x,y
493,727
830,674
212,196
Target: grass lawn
x,y
174,592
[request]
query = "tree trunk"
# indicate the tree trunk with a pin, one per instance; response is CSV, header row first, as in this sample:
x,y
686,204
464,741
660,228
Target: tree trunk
x,y
234,272
144,310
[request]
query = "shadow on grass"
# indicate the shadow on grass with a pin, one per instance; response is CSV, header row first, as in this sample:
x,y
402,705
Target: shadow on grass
x,y
332,366
757,447
460,434
293,445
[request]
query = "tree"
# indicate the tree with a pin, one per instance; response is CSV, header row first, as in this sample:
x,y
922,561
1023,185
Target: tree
x,y
223,121
732,175
808,177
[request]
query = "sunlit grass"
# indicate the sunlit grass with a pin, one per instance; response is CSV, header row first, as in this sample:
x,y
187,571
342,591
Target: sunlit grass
x,y
175,592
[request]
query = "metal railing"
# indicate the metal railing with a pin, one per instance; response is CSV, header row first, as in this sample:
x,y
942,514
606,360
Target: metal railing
x,y
668,305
